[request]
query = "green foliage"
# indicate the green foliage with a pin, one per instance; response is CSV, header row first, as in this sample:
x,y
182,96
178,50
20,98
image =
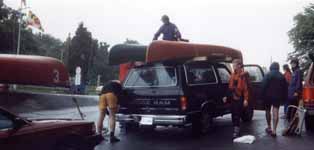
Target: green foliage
x,y
302,36
81,50
91,56
100,66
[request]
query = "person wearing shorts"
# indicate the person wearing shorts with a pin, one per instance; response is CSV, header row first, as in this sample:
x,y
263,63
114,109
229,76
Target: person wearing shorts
x,y
108,100
274,91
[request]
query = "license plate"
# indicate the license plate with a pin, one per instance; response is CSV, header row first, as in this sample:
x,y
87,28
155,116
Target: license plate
x,y
146,121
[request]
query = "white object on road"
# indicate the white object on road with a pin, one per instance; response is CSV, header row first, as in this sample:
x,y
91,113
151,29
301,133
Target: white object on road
x,y
247,139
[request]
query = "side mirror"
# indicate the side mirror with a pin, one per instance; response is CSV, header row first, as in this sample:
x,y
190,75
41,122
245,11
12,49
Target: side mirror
x,y
18,123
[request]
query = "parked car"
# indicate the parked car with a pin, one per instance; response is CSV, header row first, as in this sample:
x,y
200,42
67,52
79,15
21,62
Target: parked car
x,y
308,96
186,91
56,134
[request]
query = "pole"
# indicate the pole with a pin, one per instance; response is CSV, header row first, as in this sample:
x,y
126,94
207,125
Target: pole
x,y
19,39
61,57
19,34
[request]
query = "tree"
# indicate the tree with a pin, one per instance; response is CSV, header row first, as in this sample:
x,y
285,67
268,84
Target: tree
x,y
81,52
100,66
302,36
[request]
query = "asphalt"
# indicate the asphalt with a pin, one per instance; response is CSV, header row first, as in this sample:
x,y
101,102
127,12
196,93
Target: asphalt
x,y
164,138
171,138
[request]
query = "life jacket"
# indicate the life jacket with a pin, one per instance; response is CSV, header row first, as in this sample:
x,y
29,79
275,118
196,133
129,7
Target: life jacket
x,y
239,84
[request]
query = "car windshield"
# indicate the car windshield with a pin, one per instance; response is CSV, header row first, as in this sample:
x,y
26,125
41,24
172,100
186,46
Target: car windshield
x,y
40,105
152,77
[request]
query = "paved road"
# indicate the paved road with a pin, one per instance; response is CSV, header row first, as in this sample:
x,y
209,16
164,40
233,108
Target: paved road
x,y
220,139
164,138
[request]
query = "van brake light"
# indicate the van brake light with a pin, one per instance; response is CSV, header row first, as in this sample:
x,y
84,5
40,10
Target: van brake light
x,y
184,102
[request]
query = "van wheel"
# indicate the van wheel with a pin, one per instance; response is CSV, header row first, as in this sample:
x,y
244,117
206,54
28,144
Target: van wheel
x,y
129,126
309,122
247,114
202,123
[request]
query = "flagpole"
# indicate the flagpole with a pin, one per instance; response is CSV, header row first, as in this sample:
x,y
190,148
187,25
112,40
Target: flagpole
x,y
19,32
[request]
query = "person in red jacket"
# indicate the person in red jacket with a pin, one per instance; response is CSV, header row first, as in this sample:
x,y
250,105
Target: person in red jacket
x,y
238,94
288,75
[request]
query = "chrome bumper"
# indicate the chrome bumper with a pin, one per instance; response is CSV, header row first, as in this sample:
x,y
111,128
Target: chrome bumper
x,y
310,111
157,119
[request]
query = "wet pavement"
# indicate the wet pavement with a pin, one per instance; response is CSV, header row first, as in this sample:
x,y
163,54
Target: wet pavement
x,y
170,138
219,139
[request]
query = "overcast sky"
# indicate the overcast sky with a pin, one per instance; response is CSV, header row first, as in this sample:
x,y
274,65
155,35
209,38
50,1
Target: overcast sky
x,y
257,27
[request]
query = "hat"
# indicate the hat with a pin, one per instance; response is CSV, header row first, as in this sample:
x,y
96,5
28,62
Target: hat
x,y
165,17
295,61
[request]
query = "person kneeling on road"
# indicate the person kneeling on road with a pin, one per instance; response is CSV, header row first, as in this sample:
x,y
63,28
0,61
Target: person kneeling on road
x,y
238,93
108,100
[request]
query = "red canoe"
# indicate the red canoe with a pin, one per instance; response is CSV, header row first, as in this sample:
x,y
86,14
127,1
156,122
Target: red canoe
x,y
168,50
33,70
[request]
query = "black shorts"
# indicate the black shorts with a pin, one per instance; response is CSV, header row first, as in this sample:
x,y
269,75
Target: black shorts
x,y
271,102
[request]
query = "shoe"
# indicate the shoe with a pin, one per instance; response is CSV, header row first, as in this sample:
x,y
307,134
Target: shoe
x,y
114,139
268,131
273,134
236,132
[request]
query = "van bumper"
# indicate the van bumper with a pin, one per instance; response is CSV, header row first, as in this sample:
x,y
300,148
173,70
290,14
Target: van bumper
x,y
156,119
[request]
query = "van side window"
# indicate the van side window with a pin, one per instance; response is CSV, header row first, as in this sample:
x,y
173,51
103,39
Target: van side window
x,y
224,75
200,74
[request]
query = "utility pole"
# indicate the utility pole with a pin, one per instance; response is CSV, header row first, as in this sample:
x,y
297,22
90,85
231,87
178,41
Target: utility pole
x,y
19,31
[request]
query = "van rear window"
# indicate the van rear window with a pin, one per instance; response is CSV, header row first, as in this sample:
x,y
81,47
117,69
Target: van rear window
x,y
152,77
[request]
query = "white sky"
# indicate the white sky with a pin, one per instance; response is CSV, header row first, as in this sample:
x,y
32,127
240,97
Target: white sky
x,y
257,27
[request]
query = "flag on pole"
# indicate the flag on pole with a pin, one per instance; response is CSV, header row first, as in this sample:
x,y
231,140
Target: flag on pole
x,y
34,21
23,2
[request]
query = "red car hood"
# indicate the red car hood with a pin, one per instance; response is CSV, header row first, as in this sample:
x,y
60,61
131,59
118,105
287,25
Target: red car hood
x,y
56,124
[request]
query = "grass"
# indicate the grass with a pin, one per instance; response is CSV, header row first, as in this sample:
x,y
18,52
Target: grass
x,y
90,90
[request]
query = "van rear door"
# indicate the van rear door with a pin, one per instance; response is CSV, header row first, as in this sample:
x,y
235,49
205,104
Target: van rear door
x,y
151,90
256,77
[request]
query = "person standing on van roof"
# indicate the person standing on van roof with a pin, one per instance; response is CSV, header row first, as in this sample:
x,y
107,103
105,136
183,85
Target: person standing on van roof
x,y
238,93
169,30
295,87
287,74
274,91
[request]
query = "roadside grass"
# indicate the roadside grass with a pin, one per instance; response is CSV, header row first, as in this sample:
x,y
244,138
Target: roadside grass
x,y
90,90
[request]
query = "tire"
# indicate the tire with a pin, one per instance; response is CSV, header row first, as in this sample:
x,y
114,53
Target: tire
x,y
247,114
309,122
202,123
129,126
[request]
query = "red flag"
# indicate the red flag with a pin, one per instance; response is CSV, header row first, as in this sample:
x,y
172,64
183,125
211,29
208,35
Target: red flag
x,y
34,21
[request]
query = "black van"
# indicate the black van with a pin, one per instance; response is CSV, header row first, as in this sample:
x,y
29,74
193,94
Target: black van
x,y
182,93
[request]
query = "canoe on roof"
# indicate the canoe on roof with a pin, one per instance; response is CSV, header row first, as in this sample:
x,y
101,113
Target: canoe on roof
x,y
33,70
168,50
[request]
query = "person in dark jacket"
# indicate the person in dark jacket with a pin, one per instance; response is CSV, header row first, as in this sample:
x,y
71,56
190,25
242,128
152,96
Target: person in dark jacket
x,y
169,30
109,96
295,87
274,91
